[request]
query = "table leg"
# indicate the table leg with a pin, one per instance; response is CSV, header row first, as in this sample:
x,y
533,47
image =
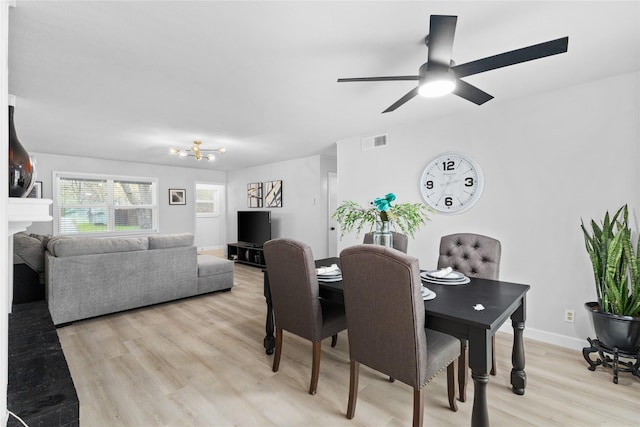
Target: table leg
x,y
480,414
269,341
479,362
518,376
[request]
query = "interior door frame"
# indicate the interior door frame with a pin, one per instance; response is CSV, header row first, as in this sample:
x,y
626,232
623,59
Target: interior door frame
x,y
332,204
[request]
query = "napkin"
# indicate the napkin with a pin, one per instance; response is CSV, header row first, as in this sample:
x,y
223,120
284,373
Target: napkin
x,y
441,273
332,269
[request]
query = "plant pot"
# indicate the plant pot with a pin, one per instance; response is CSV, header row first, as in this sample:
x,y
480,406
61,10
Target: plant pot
x,y
613,331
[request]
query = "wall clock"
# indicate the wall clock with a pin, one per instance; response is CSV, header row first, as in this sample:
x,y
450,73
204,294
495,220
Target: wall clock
x,y
451,183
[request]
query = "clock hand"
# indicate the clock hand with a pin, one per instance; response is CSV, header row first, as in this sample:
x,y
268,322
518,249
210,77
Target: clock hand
x,y
446,184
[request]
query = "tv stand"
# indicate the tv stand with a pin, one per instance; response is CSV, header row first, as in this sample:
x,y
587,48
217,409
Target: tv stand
x,y
246,253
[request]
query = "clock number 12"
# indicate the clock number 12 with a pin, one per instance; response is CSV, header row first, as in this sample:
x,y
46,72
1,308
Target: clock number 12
x,y
449,165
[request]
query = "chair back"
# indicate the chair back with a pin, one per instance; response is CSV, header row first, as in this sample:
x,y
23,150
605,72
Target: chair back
x,y
294,287
474,255
385,312
400,241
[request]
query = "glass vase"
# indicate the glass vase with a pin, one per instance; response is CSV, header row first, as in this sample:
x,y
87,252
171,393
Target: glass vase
x,y
382,234
21,166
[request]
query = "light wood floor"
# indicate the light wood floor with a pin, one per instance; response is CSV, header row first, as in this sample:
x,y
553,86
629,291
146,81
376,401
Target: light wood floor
x,y
200,362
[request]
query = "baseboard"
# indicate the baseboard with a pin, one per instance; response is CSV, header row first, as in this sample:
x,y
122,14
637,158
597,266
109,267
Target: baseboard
x,y
549,337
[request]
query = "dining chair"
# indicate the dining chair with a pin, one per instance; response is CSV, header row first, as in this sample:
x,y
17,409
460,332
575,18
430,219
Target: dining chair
x,y
386,324
474,255
297,307
400,241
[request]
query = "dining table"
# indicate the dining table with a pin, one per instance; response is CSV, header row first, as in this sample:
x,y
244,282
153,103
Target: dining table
x,y
473,311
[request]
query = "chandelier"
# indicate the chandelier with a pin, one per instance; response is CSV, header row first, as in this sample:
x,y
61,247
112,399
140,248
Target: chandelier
x,y
197,152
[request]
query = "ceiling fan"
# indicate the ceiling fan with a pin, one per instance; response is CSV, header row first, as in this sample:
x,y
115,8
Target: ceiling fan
x,y
439,75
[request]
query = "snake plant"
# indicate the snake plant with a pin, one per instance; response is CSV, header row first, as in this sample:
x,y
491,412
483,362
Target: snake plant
x,y
616,263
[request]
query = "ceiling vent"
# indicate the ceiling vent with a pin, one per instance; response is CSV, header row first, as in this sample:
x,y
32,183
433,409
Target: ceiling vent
x,y
377,141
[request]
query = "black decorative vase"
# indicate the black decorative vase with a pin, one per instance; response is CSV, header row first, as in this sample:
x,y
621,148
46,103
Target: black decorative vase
x,y
22,173
617,336
613,331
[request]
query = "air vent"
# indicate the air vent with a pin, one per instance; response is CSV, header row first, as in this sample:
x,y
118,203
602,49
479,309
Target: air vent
x,y
374,141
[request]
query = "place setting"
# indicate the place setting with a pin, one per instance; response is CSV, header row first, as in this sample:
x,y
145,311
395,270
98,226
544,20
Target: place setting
x,y
444,276
427,294
329,274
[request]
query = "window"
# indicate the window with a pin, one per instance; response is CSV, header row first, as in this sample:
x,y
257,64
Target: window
x,y
207,200
102,204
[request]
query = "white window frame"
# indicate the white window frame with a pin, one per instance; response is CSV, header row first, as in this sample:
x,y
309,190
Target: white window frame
x,y
57,175
215,201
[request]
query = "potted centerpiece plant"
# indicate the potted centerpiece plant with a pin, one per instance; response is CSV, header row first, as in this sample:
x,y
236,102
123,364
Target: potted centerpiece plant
x,y
382,216
616,268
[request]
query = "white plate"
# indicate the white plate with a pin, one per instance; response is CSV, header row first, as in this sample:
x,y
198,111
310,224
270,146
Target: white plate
x,y
454,275
462,281
330,274
329,279
427,294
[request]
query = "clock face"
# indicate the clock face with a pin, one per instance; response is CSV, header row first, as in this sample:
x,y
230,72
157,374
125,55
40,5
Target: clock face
x,y
451,183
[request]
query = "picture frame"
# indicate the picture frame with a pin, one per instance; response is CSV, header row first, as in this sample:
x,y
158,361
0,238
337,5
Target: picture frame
x,y
36,191
177,196
273,194
254,195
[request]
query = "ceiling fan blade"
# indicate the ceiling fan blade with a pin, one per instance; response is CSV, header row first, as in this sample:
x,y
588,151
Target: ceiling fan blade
x,y
442,28
513,57
378,79
471,93
413,92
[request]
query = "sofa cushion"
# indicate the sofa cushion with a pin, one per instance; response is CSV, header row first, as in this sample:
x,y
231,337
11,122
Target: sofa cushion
x,y
30,250
72,246
209,265
167,241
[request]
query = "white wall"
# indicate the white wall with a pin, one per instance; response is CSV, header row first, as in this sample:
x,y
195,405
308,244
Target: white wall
x,y
172,218
548,161
4,220
303,215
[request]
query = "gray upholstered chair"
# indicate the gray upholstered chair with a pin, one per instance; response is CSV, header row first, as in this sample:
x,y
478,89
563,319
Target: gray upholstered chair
x,y
297,308
386,318
474,255
400,241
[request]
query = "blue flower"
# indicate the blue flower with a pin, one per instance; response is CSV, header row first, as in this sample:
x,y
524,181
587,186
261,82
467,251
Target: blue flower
x,y
384,203
381,204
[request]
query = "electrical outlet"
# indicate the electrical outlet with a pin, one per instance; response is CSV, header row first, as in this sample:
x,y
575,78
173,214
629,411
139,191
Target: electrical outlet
x,y
569,315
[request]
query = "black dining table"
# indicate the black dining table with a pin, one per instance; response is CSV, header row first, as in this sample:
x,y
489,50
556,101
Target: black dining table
x,y
474,311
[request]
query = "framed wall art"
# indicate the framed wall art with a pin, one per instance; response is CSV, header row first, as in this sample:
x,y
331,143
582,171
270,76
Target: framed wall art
x,y
273,194
177,197
254,195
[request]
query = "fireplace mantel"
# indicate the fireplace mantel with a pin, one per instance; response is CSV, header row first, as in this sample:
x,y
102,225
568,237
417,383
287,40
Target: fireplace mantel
x,y
23,212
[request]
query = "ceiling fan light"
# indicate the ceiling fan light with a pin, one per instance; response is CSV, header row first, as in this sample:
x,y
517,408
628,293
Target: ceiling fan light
x,y
437,87
197,152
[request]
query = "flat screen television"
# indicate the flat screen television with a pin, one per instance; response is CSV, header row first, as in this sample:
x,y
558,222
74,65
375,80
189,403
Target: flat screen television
x,y
254,227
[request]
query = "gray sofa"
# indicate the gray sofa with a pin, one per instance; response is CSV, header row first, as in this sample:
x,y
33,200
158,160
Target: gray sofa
x,y
88,277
